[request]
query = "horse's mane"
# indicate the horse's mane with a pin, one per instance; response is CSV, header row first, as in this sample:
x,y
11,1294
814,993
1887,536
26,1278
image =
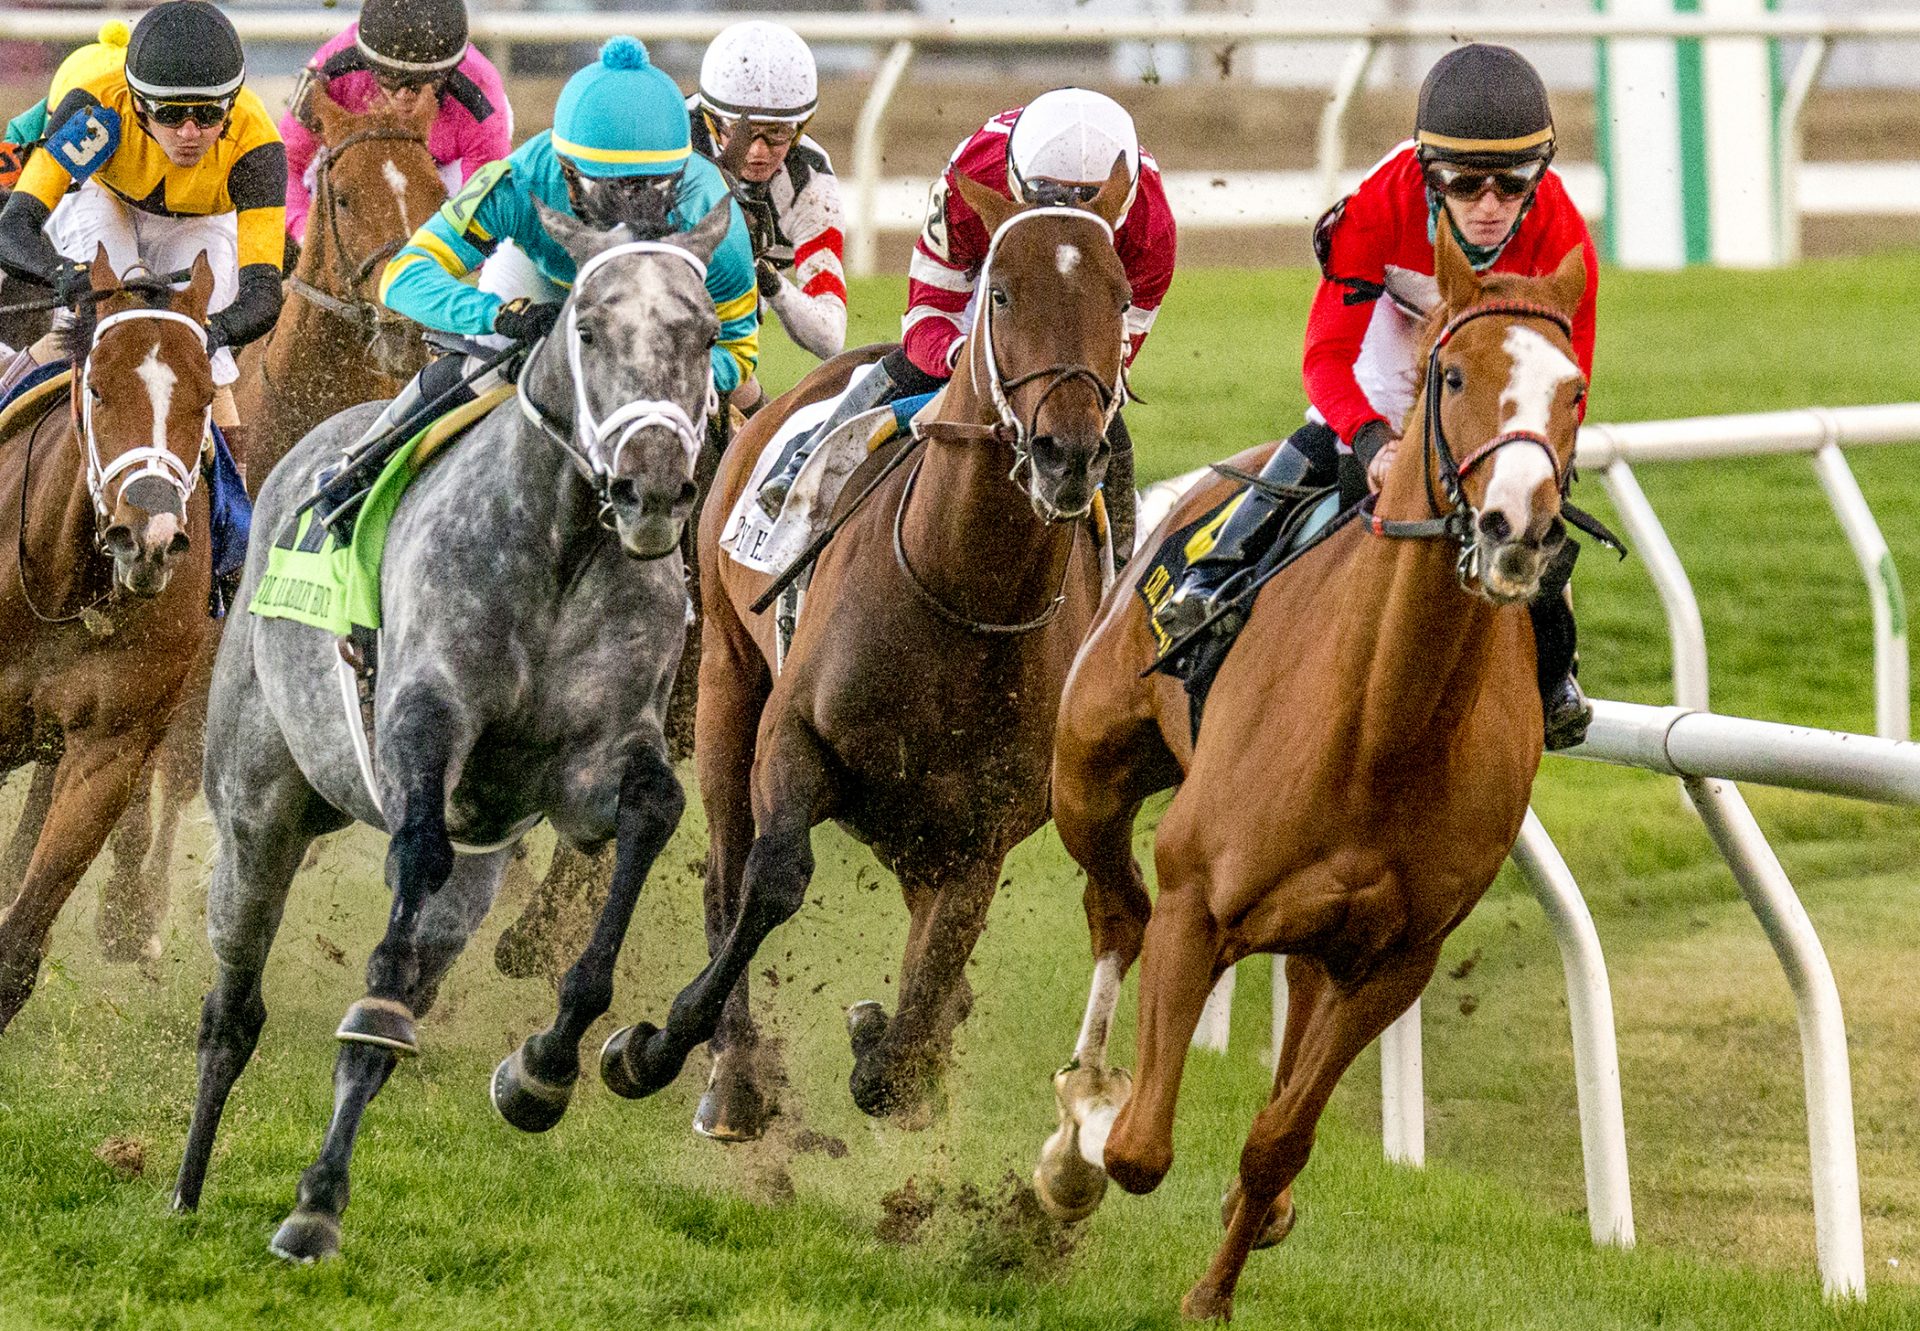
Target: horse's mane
x,y
76,339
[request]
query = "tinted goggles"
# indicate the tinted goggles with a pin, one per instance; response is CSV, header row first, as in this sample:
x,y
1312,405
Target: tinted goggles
x,y
774,133
174,114
1467,183
1057,193
398,81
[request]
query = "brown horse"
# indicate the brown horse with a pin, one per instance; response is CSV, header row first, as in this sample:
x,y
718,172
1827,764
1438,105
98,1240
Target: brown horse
x,y
108,608
1361,771
916,703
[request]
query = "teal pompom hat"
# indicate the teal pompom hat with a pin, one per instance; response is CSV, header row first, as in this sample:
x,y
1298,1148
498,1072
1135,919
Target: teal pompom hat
x,y
620,116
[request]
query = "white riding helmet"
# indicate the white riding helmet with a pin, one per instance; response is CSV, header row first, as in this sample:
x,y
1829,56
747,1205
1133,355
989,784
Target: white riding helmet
x,y
759,70
1071,136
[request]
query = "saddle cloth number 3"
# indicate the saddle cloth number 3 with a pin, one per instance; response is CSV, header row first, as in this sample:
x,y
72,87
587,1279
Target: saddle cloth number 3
x,y
86,141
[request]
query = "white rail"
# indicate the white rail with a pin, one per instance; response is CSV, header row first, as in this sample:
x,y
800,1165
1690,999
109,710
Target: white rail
x,y
907,34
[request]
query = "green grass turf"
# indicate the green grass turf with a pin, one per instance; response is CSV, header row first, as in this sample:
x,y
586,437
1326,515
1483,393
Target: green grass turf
x,y
620,1218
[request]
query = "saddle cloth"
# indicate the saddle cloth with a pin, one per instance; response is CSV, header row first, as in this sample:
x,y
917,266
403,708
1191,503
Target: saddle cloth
x,y
768,545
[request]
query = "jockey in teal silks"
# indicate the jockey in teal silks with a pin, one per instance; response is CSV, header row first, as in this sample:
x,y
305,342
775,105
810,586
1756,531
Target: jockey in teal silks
x,y
620,151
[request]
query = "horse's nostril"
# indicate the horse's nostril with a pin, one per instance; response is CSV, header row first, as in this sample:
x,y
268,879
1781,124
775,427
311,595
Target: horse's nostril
x,y
1495,527
119,539
688,492
178,545
624,491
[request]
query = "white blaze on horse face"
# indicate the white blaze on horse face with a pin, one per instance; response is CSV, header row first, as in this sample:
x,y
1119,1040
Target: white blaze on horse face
x,y
1526,404
1067,258
397,182
159,379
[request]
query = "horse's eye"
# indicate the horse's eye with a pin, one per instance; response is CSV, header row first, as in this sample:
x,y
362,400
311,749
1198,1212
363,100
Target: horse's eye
x,y
1455,379
713,340
1579,398
585,334
999,296
345,201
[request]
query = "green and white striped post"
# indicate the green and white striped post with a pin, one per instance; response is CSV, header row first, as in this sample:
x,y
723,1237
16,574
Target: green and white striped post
x,y
1686,140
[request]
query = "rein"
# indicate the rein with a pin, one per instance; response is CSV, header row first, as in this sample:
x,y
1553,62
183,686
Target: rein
x,y
20,536
368,316
947,613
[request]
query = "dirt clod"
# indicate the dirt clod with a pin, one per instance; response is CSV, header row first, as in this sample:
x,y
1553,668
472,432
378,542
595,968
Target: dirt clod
x,y
331,950
809,1142
125,1156
1468,1005
1467,963
902,1212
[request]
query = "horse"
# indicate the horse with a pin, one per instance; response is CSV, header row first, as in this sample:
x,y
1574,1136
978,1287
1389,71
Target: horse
x,y
334,346
102,647
916,702
524,670
1361,769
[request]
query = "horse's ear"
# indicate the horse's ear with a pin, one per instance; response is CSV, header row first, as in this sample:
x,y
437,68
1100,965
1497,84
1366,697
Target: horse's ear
x,y
1110,204
332,116
704,237
104,278
573,235
194,300
994,207
1459,284
1568,283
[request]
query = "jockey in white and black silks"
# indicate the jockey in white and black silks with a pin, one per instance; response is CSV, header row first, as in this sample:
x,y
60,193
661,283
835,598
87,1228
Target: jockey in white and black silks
x,y
1478,163
758,90
160,155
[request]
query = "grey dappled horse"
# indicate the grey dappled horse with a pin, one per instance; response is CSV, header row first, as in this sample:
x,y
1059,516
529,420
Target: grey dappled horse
x,y
524,670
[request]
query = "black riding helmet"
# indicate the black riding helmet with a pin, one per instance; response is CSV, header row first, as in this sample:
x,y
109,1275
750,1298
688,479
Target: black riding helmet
x,y
416,39
1484,106
185,51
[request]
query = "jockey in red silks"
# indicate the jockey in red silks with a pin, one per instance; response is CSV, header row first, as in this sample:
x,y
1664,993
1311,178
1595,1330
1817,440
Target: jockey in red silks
x,y
1059,148
399,54
1479,161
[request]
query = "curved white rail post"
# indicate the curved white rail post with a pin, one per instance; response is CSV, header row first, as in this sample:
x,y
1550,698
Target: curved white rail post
x,y
1890,660
1333,119
867,139
1823,1033
1216,1018
1596,1056
1649,540
1790,141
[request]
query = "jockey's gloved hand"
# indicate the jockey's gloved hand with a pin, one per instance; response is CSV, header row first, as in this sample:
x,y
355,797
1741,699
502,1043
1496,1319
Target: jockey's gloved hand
x,y
71,281
525,322
218,334
769,279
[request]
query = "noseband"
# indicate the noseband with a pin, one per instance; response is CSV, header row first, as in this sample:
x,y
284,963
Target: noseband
x,y
597,445
367,316
153,459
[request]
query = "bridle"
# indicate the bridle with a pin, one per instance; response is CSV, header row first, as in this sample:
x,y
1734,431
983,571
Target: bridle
x,y
1460,522
368,317
107,481
597,445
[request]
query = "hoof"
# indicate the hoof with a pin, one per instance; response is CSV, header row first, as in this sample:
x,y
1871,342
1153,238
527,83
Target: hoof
x,y
522,1099
382,1022
866,1025
1204,1303
1067,1186
616,1061
1280,1217
306,1237
733,1110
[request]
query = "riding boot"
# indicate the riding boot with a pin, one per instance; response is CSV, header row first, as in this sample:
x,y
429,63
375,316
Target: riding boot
x,y
1118,490
1565,708
431,393
1242,539
893,376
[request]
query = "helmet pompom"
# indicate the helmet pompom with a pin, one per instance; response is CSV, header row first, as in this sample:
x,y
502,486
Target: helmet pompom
x,y
115,32
624,53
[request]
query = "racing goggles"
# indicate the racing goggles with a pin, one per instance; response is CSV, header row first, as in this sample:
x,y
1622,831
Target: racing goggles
x,y
774,133
1058,193
397,80
1467,184
175,114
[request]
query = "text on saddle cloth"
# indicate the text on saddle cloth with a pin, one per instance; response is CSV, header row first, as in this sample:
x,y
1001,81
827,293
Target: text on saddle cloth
x,y
769,545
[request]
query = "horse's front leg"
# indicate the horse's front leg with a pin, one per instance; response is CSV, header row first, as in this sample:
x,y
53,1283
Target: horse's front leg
x,y
532,1086
90,789
793,793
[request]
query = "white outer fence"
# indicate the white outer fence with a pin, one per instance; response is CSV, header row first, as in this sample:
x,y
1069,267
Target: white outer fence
x,y
906,35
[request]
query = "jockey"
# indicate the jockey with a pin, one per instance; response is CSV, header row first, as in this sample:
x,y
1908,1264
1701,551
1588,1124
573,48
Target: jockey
x,y
1059,148
758,89
171,157
619,151
1479,159
403,54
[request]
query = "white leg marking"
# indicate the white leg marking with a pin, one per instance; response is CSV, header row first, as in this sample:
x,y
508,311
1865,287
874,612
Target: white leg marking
x,y
1067,257
1091,1049
398,184
159,379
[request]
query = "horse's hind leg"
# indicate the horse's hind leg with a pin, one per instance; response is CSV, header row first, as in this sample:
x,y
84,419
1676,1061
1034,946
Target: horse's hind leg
x,y
133,905
26,832
439,931
532,1086
1344,1019
558,909
117,921
95,777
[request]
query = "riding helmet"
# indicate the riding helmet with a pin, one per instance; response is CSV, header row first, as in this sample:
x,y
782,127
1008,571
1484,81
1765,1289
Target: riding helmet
x,y
1484,105
185,51
621,116
413,37
760,70
1071,135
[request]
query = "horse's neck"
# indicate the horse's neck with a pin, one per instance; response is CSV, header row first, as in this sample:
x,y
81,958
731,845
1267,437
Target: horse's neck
x,y
971,534
539,473
60,569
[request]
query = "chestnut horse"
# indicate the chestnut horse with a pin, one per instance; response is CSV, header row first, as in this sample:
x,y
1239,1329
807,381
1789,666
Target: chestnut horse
x,y
108,608
334,346
1361,769
916,703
